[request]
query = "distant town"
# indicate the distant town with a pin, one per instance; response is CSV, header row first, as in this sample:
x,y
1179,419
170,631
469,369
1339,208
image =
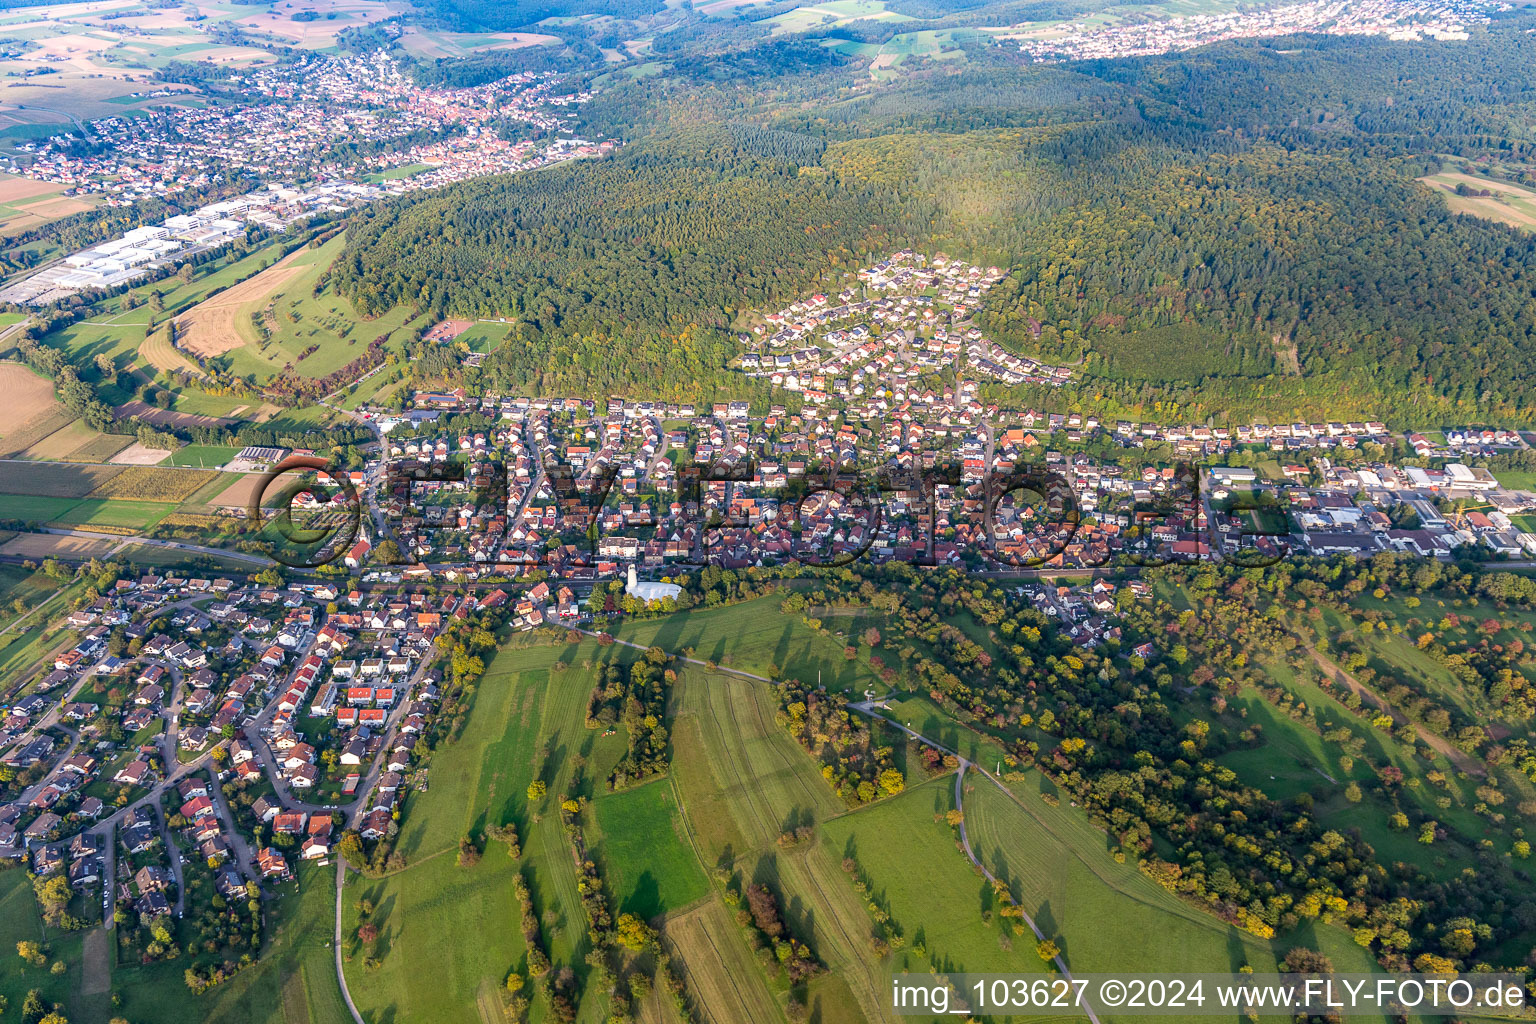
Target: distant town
x,y
1394,19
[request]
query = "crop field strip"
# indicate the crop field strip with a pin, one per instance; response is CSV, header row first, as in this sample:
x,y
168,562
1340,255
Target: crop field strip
x,y
725,981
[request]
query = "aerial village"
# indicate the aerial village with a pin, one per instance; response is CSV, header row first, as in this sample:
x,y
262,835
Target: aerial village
x,y
424,138
240,725
205,735
1442,20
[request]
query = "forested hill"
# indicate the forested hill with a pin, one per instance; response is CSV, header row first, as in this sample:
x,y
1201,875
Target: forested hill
x,y
1197,236
626,270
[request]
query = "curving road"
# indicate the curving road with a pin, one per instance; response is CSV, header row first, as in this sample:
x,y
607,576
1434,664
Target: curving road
x,y
867,708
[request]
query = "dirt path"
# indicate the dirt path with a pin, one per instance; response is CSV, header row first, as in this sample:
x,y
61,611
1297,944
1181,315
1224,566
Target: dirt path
x,y
1436,742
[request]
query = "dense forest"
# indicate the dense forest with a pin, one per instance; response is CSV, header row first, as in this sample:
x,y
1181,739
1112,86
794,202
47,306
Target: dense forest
x,y
625,269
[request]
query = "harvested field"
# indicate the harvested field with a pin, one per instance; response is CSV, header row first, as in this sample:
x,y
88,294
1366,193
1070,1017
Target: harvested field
x,y
21,217
13,188
54,479
100,448
458,44
163,417
138,455
208,329
46,545
158,352
146,483
31,413
59,444
724,979
76,442
1505,203
241,492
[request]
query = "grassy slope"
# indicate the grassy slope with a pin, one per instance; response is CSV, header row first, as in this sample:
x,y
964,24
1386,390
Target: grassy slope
x,y
756,637
296,970
427,969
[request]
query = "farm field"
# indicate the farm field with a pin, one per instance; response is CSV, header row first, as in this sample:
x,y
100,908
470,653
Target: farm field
x,y
734,762
639,841
719,967
310,334
44,545
19,922
833,12
113,516
20,584
1506,203
32,412
77,442
209,328
26,203
54,479
152,483
1517,479
423,43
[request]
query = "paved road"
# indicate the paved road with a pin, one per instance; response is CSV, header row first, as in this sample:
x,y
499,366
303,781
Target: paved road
x,y
253,736
244,855
341,976
108,835
171,854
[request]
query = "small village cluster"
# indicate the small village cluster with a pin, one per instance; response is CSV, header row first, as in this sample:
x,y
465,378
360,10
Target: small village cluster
x,y
1322,480
870,346
316,119
1396,19
310,696
671,484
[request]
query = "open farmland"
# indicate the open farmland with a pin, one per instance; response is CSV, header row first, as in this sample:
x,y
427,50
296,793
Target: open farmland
x,y
26,203
76,442
31,412
638,837
161,356
293,329
424,43
54,480
524,702
209,328
1488,198
719,967
757,637
45,545
150,483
